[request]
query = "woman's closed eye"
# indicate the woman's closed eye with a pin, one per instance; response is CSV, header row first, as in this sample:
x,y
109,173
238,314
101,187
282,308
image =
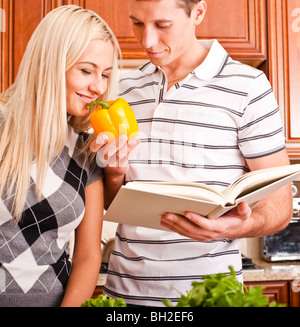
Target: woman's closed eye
x,y
86,71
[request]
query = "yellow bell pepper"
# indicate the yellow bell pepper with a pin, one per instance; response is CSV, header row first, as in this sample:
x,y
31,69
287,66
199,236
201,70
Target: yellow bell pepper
x,y
114,118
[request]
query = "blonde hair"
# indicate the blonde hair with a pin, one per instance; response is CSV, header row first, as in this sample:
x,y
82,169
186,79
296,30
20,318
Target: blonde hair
x,y
33,112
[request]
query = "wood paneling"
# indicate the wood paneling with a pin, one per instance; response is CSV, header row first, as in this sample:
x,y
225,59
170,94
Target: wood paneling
x,y
276,291
253,31
22,17
293,54
284,65
240,26
6,64
283,292
244,36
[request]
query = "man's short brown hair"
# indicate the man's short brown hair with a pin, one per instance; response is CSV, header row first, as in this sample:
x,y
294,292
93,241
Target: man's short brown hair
x,y
187,5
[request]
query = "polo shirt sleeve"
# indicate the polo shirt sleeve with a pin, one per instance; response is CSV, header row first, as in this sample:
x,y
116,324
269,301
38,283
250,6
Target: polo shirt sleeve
x,y
261,130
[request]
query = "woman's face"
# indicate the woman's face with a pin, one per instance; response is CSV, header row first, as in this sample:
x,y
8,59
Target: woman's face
x,y
88,78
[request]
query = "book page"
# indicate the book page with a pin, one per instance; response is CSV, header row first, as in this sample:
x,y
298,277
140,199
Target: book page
x,y
257,179
184,189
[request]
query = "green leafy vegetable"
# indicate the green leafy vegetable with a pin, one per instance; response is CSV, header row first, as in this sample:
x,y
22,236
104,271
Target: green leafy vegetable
x,y
222,290
104,301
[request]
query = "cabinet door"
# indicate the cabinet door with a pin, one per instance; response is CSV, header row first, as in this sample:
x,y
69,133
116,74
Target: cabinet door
x,y
98,291
238,24
21,18
284,65
275,291
295,293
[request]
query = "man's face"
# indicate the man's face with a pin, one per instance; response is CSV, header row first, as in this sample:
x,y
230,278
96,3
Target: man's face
x,y
162,29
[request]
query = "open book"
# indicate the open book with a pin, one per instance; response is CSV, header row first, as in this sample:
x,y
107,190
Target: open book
x,y
143,203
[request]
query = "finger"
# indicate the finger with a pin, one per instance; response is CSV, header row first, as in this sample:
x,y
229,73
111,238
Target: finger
x,y
244,211
185,227
122,154
200,221
94,147
114,147
99,142
173,222
202,236
133,143
118,149
108,155
166,224
102,139
124,149
116,161
121,141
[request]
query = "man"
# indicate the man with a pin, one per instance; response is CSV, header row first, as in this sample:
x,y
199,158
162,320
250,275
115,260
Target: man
x,y
202,117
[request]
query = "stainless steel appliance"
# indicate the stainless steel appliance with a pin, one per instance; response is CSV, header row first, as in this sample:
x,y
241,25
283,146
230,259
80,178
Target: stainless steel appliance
x,y
285,245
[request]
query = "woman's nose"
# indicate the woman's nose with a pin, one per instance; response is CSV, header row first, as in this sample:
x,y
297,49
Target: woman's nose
x,y
98,86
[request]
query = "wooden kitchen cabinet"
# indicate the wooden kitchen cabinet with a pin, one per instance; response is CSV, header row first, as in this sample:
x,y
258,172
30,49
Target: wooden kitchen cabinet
x,y
279,291
284,65
275,291
295,295
98,291
240,26
244,36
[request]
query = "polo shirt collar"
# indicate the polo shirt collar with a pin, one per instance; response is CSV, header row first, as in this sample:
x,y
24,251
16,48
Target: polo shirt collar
x,y
210,67
214,62
148,68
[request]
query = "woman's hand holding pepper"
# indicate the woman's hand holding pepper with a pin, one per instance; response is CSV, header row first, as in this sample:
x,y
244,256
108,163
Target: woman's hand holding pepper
x,y
113,157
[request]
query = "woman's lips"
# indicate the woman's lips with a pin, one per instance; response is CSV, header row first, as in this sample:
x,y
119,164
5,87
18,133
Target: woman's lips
x,y
86,99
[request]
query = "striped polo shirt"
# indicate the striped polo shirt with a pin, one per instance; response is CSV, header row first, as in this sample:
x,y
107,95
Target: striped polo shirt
x,y
201,130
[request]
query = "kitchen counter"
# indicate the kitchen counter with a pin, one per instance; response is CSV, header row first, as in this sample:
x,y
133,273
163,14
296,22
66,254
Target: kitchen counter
x,y
271,271
266,271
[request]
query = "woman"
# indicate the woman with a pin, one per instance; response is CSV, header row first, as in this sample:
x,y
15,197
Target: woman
x,y
49,183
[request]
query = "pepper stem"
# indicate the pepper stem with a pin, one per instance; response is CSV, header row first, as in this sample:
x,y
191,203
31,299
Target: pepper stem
x,y
103,104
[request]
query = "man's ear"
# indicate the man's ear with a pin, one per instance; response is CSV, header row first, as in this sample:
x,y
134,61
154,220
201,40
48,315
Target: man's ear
x,y
198,12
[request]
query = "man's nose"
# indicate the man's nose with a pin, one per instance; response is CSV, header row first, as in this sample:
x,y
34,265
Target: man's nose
x,y
150,38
